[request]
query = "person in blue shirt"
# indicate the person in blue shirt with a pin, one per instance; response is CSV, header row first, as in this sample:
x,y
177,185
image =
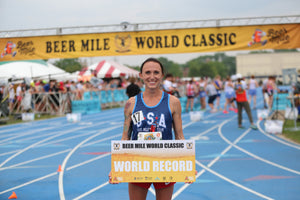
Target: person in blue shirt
x,y
161,112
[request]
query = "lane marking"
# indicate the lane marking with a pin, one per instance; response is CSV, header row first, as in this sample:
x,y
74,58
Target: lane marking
x,y
63,166
275,138
233,182
257,157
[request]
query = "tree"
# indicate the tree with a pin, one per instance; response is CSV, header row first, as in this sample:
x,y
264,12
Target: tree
x,y
171,67
69,65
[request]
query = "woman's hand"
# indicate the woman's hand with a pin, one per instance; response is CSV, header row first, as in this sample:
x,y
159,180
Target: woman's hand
x,y
110,179
190,182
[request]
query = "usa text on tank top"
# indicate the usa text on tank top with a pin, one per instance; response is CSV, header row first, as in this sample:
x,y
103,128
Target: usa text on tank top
x,y
156,118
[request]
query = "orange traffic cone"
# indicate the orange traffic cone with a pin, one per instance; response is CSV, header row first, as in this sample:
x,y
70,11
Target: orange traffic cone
x,y
59,168
13,196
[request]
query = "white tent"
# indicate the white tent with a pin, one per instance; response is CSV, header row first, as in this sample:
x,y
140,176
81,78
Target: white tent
x,y
31,69
109,69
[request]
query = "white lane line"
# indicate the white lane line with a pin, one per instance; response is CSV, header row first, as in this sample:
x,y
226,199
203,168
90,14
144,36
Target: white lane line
x,y
36,159
57,153
275,138
199,136
29,182
30,132
51,174
37,143
259,158
180,190
215,173
88,161
40,142
233,182
91,191
63,166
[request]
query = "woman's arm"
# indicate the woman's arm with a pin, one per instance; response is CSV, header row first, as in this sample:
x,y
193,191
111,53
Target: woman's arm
x,y
127,121
175,107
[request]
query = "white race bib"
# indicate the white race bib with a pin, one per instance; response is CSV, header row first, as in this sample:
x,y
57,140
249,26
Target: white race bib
x,y
137,117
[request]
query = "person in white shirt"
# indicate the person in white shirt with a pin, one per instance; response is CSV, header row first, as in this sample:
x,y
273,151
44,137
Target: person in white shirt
x,y
11,98
167,84
229,95
252,85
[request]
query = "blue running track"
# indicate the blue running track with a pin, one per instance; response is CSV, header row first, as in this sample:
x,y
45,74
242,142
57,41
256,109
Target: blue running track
x,y
232,163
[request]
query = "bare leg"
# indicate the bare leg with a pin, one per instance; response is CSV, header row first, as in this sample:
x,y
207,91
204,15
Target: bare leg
x,y
137,192
192,104
165,193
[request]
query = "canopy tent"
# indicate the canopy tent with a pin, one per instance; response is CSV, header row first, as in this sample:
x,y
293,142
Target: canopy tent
x,y
108,69
34,69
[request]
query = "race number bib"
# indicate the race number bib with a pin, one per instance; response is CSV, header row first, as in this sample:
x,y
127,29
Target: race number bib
x,y
149,136
137,117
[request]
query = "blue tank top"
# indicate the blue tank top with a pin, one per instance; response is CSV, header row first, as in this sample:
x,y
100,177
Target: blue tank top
x,y
156,118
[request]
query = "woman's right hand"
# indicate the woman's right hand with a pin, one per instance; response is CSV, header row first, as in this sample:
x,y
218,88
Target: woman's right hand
x,y
110,179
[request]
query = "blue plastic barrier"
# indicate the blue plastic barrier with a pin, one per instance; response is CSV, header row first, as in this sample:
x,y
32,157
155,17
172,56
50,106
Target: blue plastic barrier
x,y
109,96
86,95
103,97
86,106
282,101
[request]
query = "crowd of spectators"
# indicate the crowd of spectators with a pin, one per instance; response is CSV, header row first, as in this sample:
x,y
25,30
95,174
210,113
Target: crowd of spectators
x,y
205,90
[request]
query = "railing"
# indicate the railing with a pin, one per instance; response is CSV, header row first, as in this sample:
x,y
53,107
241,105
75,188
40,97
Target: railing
x,y
61,103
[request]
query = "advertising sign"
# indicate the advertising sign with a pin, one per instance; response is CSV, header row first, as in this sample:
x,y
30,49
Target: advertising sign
x,y
153,161
280,36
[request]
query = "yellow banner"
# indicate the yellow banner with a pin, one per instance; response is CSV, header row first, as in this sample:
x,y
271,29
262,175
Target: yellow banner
x,y
153,161
284,36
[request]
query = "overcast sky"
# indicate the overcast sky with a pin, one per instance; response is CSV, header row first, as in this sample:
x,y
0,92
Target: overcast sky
x,y
33,14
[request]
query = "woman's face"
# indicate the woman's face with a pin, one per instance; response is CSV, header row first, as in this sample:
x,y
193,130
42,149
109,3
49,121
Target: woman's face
x,y
152,75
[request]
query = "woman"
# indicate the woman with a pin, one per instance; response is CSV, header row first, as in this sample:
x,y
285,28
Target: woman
x,y
229,96
190,93
156,102
202,93
252,85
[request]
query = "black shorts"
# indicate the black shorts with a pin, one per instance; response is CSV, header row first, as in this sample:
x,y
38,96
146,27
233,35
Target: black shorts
x,y
211,99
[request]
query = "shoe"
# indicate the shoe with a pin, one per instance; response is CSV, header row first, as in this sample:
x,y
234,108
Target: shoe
x,y
253,127
225,112
236,110
213,110
231,109
241,127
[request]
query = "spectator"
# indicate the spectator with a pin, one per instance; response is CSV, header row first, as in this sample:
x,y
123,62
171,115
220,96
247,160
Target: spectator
x,y
167,84
229,96
11,98
132,89
271,88
252,85
219,86
212,95
202,93
242,102
191,91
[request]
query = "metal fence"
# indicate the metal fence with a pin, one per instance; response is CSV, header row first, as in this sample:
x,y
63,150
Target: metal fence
x,y
61,103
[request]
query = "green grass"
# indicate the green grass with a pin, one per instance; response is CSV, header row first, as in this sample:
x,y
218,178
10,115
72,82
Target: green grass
x,y
15,119
290,134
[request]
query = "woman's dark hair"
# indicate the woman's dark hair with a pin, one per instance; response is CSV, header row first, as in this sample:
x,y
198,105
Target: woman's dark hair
x,y
152,60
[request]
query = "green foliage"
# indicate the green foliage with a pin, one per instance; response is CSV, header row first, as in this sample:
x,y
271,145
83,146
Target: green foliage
x,y
210,66
285,50
69,65
171,67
